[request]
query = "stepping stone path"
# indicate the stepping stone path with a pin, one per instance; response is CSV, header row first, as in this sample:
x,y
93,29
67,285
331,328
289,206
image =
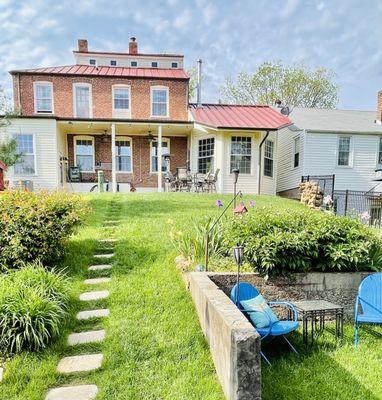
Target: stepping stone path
x,y
87,362
80,392
99,267
86,337
90,296
106,255
101,313
1,374
95,281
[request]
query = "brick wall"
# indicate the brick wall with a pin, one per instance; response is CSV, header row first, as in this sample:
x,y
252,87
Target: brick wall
x,y
102,95
141,175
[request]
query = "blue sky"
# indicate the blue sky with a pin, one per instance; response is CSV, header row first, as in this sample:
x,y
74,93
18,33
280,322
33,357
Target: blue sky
x,y
229,35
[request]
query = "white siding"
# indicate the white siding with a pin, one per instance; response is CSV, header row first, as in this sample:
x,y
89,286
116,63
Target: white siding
x,y
321,159
47,162
288,176
247,183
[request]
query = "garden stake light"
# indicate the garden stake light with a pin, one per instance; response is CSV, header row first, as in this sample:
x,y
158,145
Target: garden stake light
x,y
235,178
238,255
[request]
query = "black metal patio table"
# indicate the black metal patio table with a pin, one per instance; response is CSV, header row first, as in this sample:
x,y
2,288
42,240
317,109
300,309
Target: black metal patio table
x,y
315,312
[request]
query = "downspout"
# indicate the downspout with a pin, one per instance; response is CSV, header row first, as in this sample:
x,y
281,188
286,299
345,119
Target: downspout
x,y
259,163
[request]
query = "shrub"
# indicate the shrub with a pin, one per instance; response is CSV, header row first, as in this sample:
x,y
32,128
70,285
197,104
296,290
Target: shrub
x,y
281,241
33,305
33,226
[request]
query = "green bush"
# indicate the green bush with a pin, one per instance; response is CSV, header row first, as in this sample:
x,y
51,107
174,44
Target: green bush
x,y
281,241
33,305
34,225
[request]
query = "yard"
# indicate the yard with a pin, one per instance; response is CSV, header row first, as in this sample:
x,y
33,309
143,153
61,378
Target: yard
x,y
154,348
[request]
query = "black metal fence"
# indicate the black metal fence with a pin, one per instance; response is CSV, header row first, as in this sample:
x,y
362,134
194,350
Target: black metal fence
x,y
365,206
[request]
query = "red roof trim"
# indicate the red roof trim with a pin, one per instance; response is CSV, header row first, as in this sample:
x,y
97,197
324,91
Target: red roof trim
x,y
88,70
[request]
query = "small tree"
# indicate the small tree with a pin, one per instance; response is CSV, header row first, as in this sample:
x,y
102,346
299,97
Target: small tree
x,y
193,83
9,154
295,85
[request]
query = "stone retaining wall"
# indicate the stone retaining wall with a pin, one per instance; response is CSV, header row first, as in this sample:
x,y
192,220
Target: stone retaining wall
x,y
234,343
339,288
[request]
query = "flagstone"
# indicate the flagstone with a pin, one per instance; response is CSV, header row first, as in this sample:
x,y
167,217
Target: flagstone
x,y
86,362
80,392
86,337
95,281
99,267
110,240
100,313
89,296
106,255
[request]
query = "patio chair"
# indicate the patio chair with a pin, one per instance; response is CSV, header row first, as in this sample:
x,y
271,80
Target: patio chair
x,y
211,180
199,182
276,328
184,179
370,299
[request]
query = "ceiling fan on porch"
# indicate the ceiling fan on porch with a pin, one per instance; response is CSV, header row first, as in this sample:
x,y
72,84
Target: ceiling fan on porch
x,y
104,136
150,137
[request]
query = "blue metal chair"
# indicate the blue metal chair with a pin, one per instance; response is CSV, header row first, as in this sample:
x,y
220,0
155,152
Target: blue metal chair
x,y
279,328
370,299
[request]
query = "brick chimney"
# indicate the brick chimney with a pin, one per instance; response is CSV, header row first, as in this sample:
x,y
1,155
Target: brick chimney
x,y
82,45
133,46
379,108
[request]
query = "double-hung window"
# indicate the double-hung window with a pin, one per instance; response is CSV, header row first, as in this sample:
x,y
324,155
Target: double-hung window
x,y
154,155
82,100
296,152
380,151
123,154
344,147
84,151
268,158
159,101
25,147
121,101
241,154
43,95
206,152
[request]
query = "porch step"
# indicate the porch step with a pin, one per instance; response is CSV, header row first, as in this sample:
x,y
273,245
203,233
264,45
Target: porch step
x,y
86,337
100,313
87,362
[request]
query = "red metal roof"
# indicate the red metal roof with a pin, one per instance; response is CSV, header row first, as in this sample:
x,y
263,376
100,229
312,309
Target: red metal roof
x,y
238,116
89,70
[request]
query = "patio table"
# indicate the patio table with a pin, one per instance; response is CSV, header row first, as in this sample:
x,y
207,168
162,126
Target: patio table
x,y
315,312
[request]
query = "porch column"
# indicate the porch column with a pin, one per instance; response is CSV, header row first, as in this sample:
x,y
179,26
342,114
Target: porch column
x,y
113,167
159,158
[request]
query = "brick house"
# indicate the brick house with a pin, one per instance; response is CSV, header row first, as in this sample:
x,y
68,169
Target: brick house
x,y
120,112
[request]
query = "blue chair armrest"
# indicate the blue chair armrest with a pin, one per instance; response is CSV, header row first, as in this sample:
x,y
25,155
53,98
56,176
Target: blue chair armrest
x,y
285,303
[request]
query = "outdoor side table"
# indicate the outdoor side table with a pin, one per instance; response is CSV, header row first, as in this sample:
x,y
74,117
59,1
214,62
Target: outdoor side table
x,y
315,312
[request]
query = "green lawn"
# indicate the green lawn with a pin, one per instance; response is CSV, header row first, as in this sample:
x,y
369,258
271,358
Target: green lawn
x,y
154,348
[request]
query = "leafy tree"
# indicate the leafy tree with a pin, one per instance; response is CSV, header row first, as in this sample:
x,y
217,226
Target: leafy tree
x,y
9,154
295,85
193,83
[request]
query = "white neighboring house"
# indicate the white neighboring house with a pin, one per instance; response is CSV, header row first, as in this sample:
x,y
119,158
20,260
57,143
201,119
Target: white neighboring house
x,y
344,143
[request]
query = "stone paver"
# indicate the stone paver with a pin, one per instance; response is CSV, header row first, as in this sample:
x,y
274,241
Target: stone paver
x,y
106,255
99,267
86,337
100,313
95,281
110,240
87,362
111,221
1,373
88,296
80,392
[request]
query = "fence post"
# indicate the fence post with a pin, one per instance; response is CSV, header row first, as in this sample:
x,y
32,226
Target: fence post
x,y
346,200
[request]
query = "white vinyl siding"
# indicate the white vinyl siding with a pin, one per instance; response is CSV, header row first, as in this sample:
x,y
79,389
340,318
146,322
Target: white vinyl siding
x,y
82,100
43,97
46,165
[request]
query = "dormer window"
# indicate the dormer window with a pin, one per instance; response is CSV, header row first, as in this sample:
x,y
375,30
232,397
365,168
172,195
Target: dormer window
x,y
154,64
43,97
113,63
92,61
134,64
174,65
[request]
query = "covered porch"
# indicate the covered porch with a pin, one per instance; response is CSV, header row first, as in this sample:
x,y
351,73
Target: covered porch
x,y
129,154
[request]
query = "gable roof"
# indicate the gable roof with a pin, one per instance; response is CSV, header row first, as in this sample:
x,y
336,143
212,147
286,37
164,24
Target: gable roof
x,y
89,70
229,116
333,120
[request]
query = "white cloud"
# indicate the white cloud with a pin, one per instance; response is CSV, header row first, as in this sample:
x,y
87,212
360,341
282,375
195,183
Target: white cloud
x,y
288,8
183,19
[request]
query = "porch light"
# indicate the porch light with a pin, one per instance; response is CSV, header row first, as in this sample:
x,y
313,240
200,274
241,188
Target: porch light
x,y
150,137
